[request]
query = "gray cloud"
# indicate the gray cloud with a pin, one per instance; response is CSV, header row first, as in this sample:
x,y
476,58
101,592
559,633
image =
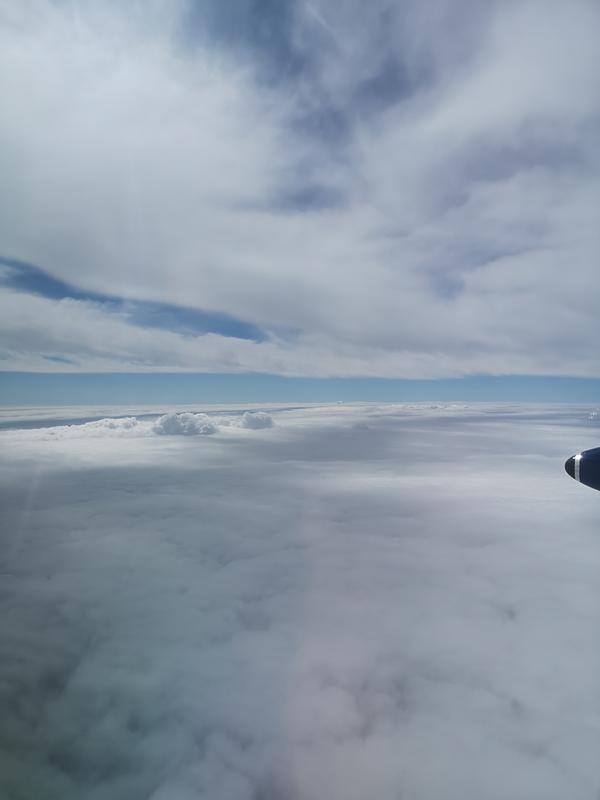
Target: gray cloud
x,y
289,614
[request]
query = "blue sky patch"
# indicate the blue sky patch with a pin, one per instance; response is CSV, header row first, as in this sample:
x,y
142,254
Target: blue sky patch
x,y
23,388
28,278
59,359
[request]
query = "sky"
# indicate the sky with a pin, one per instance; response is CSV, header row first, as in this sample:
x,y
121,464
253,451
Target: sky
x,y
308,190
386,601
183,388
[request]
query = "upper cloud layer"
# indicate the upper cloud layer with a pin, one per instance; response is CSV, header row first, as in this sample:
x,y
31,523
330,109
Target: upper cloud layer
x,y
399,190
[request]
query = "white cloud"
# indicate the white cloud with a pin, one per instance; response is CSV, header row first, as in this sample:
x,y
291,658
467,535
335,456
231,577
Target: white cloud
x,y
184,424
122,423
256,420
100,342
290,615
465,239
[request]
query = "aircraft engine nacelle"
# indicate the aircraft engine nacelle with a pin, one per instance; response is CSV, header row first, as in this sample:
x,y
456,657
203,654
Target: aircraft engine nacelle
x,y
585,467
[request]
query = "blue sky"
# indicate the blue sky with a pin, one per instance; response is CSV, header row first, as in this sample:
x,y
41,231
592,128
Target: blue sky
x,y
184,388
329,194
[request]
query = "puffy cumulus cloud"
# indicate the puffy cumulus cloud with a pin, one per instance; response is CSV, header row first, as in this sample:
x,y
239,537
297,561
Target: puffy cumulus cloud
x,y
404,190
184,424
371,602
256,420
192,424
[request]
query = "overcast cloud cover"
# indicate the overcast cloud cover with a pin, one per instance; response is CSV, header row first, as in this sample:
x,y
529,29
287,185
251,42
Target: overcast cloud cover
x,y
357,602
404,189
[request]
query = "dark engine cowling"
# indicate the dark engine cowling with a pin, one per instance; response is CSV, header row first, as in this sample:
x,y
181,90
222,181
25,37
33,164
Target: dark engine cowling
x,y
585,467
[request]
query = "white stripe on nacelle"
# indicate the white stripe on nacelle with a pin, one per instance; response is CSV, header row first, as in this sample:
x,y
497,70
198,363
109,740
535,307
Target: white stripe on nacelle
x,y
577,466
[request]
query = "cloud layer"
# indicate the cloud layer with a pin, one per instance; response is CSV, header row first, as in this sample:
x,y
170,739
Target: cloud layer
x,y
360,602
401,190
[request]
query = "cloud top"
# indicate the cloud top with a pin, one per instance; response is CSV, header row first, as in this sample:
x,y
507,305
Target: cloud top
x,y
256,420
184,424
